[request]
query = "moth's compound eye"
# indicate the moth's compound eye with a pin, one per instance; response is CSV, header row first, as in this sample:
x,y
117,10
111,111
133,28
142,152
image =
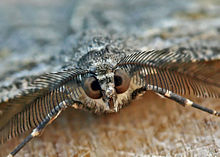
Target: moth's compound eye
x,y
122,81
92,88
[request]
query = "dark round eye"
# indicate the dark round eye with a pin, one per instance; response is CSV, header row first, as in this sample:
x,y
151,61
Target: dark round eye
x,y
122,81
92,88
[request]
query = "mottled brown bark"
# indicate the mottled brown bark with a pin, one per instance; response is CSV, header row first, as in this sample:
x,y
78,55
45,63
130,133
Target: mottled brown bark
x,y
150,125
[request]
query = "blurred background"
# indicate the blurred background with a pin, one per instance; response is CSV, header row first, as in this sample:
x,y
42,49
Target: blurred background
x,y
36,36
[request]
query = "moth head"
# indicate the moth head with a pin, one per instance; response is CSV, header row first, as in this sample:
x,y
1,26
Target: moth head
x,y
107,89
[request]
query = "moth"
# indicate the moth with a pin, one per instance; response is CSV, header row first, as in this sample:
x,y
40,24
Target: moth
x,y
104,80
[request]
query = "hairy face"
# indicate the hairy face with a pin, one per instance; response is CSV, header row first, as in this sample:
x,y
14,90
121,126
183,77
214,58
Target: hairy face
x,y
107,89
